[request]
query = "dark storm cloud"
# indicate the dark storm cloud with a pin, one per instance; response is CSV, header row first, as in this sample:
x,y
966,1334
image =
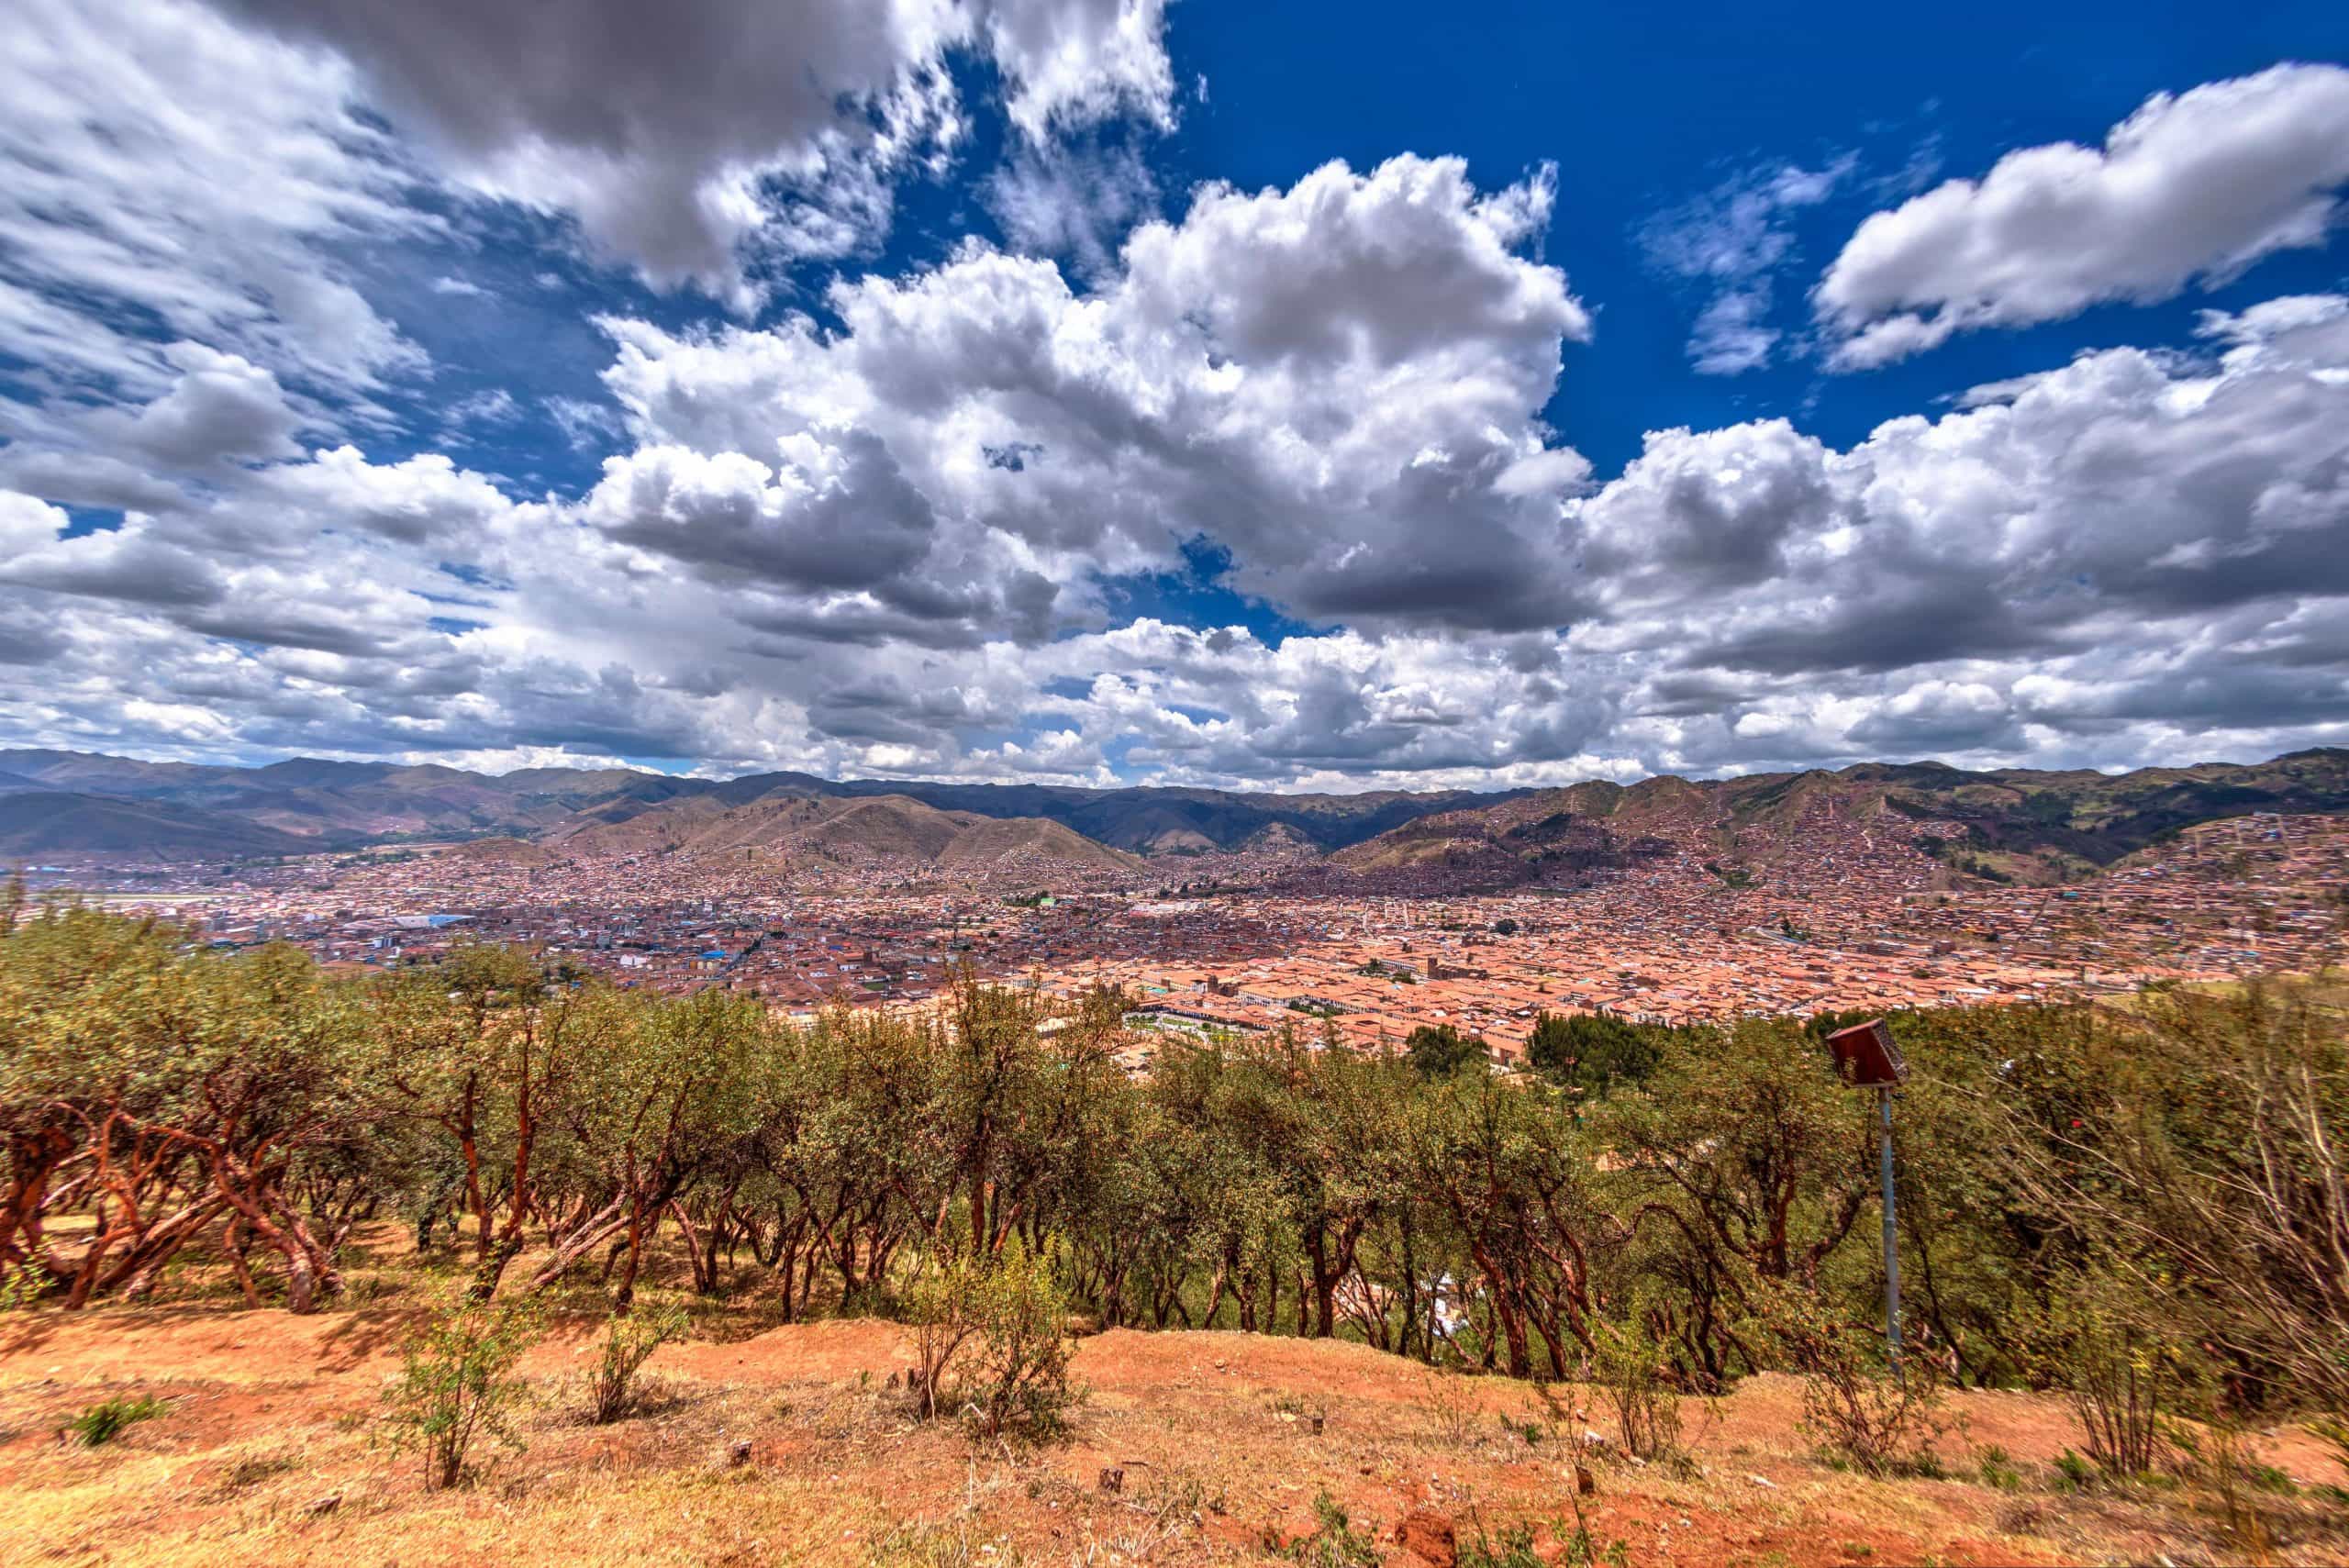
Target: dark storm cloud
x,y
1880,634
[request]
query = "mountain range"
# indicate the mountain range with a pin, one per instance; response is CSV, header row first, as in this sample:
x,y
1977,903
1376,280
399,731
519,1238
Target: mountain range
x,y
2011,823
2006,825
74,804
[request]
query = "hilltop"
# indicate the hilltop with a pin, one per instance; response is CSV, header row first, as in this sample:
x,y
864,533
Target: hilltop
x,y
842,829
2012,825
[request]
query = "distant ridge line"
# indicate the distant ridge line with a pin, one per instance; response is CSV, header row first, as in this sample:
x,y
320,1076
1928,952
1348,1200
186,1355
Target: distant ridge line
x,y
69,803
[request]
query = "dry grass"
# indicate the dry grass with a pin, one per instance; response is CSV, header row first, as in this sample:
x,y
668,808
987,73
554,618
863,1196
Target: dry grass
x,y
270,1416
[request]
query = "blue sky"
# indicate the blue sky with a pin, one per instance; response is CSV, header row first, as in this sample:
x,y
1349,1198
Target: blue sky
x,y
1100,391
1639,120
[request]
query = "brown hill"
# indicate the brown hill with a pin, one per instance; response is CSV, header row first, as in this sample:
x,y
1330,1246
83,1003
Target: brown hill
x,y
343,804
625,828
502,850
862,828
2015,824
992,841
1533,837
43,823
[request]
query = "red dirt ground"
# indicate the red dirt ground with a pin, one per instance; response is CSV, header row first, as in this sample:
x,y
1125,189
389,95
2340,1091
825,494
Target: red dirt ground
x,y
1213,1431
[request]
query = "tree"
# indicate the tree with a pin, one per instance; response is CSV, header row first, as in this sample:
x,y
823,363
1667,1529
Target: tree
x,y
677,1090
481,1049
1513,1176
1589,1051
186,1089
67,1066
2201,1160
1439,1051
1754,1161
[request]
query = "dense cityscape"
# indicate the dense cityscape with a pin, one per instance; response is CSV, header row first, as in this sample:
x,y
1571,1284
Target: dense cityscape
x,y
1832,915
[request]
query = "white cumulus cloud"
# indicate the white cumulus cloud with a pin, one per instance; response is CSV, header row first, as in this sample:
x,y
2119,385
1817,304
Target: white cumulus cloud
x,y
2196,185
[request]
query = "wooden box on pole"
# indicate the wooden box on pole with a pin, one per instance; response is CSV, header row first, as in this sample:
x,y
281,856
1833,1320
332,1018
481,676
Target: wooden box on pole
x,y
1865,1058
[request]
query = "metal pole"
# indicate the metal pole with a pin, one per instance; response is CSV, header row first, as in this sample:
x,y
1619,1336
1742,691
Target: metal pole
x,y
1891,1234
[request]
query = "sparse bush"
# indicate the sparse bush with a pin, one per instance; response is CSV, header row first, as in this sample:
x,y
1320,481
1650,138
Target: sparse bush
x,y
1335,1544
1020,1371
991,1341
2120,1381
2019,1516
1582,1548
102,1423
1877,1424
1529,1431
457,1386
2334,1432
2269,1478
628,1342
255,1469
1996,1469
944,1309
1449,1400
19,1289
1633,1375
2221,1451
1513,1547
1920,1464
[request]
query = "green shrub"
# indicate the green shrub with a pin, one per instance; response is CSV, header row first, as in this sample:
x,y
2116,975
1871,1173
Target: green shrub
x,y
628,1342
1440,1051
1857,1414
1021,1370
101,1424
1336,1544
1631,1371
457,1386
991,1341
